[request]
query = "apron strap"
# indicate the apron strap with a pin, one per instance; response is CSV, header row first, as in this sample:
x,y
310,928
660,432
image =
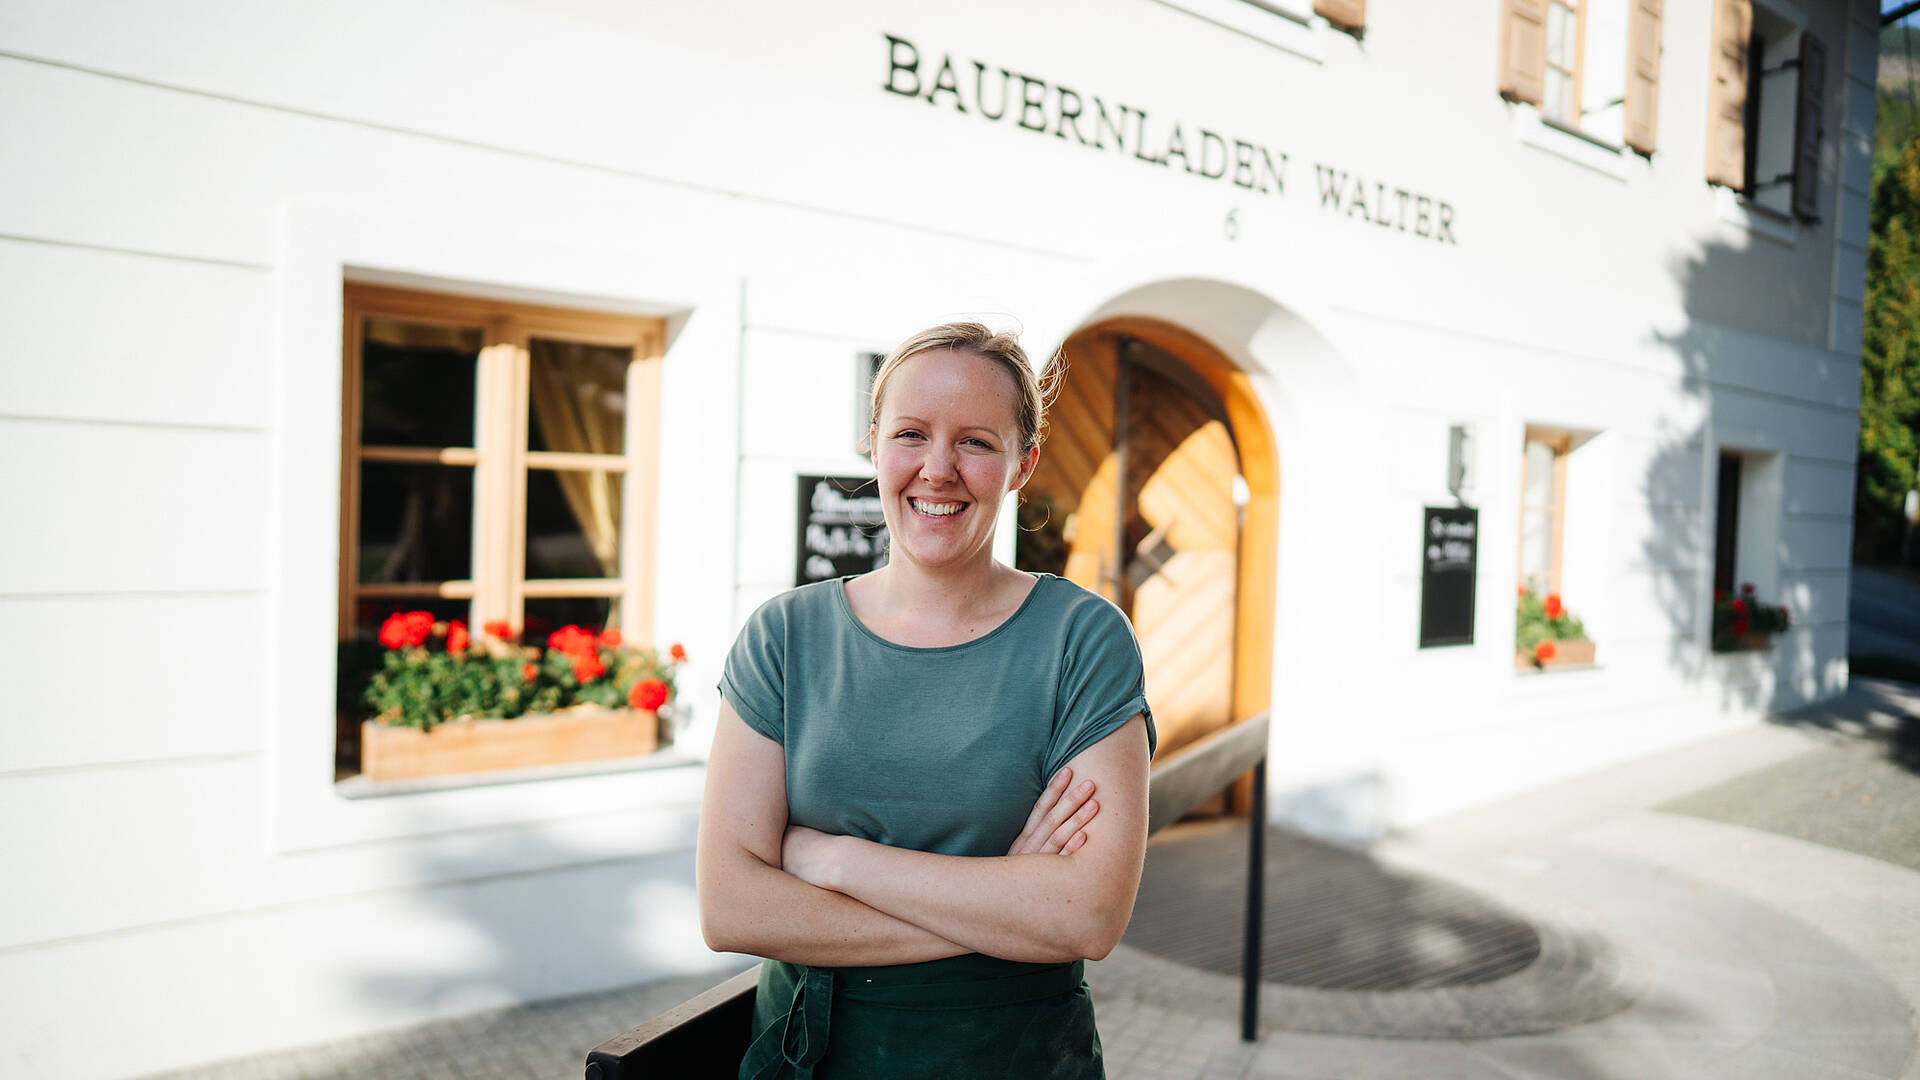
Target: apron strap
x,y
793,1046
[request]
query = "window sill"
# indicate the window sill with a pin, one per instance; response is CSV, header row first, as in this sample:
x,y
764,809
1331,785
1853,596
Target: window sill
x,y
1303,35
359,787
1736,209
1605,158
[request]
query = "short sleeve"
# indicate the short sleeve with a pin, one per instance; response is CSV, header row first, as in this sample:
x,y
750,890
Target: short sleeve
x,y
1102,684
753,680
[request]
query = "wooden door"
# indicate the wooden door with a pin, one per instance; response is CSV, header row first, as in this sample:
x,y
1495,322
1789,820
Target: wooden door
x,y
1134,499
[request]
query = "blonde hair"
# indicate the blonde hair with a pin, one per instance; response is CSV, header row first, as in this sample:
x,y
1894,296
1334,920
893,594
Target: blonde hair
x,y
1033,394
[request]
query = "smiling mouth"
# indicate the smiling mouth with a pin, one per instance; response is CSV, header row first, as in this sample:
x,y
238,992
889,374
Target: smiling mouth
x,y
931,508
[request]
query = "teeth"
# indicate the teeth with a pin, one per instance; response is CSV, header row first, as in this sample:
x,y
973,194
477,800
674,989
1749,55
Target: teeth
x,y
933,509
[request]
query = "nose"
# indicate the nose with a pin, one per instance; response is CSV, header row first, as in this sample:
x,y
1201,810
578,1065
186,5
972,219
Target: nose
x,y
938,465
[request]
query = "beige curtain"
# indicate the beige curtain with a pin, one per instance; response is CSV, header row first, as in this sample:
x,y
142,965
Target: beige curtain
x,y
579,401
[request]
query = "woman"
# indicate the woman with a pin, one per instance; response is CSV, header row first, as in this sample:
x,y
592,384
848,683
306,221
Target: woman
x,y
900,809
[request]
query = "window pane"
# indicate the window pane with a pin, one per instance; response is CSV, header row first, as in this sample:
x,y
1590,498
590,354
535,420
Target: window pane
x,y
1556,104
1536,548
573,523
416,522
545,615
1559,36
578,399
1539,491
417,383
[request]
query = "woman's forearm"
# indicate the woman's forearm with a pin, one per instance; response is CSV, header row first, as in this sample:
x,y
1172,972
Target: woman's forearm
x,y
1017,907
750,907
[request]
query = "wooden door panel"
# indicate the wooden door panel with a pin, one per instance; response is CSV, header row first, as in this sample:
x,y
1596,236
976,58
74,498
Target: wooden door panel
x,y
1180,465
1079,468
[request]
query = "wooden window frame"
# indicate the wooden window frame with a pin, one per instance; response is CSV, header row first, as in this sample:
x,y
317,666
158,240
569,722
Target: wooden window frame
x,y
1562,444
499,588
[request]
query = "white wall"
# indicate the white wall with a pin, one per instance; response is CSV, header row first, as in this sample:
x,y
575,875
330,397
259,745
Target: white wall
x,y
182,193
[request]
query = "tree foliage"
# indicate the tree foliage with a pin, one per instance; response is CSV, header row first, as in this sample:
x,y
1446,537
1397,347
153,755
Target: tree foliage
x,y
1890,350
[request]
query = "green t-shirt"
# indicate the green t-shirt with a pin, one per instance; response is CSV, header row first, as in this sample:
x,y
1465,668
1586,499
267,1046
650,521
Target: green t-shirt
x,y
941,749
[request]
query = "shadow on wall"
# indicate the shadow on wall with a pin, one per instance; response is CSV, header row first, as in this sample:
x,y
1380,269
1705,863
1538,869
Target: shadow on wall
x,y
516,915
1716,489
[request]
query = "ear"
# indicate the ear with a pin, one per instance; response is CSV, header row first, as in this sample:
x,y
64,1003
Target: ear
x,y
1027,463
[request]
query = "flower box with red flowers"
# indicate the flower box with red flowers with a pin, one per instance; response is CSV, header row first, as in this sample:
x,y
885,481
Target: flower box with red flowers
x,y
1743,623
437,699
1546,635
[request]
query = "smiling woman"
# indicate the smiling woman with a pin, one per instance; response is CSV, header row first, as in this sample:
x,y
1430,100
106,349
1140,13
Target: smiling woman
x,y
901,809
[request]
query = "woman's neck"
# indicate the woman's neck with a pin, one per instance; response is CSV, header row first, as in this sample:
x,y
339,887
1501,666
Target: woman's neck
x,y
910,606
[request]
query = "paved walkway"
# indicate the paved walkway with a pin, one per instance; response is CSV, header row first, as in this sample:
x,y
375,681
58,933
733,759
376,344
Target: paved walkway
x,y
1743,907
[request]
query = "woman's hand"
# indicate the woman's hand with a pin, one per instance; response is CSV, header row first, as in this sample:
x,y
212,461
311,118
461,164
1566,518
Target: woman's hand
x,y
1056,825
808,855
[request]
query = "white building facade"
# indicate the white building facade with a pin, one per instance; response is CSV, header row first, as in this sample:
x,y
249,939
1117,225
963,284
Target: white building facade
x,y
1577,267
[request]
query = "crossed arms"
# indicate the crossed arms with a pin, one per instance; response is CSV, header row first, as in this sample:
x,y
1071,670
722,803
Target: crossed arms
x,y
1064,891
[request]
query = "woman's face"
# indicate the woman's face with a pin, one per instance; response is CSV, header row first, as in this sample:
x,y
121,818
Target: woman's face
x,y
947,449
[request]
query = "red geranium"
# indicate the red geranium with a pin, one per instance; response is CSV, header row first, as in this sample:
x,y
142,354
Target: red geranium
x,y
1746,588
572,641
457,637
1739,607
587,667
1543,651
529,672
1554,610
1740,625
406,630
678,652
648,694
499,628
609,639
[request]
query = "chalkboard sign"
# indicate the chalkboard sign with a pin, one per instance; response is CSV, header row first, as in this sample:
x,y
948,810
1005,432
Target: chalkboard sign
x,y
1450,547
841,530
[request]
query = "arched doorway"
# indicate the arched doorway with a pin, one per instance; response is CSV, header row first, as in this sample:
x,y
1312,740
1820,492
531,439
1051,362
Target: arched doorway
x,y
1158,488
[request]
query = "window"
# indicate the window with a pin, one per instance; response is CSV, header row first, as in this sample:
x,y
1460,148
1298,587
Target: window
x,y
1543,509
1766,124
1566,48
497,463
1590,67
1747,513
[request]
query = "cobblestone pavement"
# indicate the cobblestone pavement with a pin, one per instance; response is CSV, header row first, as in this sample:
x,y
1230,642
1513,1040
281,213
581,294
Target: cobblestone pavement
x,y
1690,928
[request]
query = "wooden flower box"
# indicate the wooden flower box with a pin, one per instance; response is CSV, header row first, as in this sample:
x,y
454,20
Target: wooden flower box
x,y
1568,652
1752,641
468,746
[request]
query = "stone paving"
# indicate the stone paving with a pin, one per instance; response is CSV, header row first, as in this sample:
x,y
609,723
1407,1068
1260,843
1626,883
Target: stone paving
x,y
1733,940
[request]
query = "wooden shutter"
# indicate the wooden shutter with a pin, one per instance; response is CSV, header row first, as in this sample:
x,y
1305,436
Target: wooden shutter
x,y
1807,128
1643,75
1347,14
1727,94
1523,50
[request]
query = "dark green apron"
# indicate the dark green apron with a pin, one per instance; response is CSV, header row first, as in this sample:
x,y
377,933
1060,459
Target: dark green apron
x,y
967,1017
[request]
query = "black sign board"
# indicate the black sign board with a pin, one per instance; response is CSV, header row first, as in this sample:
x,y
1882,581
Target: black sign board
x,y
841,530
1449,546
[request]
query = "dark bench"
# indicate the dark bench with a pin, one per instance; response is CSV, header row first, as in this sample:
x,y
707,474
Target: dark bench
x,y
706,1037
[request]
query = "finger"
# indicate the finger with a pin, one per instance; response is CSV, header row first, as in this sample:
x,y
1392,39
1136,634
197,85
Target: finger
x,y
1031,833
1078,841
1048,836
1067,805
1057,840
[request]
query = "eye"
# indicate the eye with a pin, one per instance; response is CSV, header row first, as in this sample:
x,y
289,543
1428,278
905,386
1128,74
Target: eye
x,y
981,443
908,433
